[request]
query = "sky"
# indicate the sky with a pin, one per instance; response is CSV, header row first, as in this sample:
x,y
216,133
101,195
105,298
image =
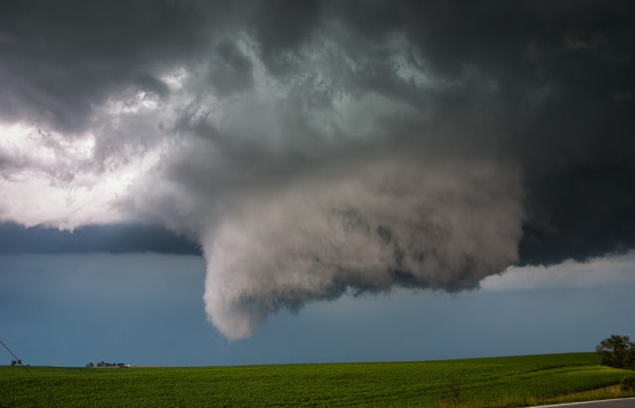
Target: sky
x,y
256,182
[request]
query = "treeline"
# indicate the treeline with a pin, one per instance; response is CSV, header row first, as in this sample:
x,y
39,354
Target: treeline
x,y
102,363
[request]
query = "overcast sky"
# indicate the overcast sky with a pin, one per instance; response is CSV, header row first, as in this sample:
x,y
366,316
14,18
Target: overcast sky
x,y
188,182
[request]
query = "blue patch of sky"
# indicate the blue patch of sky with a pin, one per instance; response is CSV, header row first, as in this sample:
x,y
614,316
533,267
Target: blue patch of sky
x,y
147,309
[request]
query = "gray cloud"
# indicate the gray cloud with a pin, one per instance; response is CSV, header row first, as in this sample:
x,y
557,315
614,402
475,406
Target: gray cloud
x,y
381,224
61,59
315,148
232,72
149,83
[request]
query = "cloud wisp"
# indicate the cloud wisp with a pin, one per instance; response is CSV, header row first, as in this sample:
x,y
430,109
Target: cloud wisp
x,y
316,148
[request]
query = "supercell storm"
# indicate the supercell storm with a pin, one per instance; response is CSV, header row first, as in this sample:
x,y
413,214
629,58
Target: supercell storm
x,y
314,148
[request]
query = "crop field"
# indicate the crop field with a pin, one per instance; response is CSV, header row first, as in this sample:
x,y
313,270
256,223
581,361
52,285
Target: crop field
x,y
506,381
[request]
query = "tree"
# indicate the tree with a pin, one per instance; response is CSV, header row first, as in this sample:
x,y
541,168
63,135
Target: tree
x,y
617,351
90,365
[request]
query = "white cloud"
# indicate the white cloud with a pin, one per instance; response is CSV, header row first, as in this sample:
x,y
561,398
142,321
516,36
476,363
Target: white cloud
x,y
56,180
610,270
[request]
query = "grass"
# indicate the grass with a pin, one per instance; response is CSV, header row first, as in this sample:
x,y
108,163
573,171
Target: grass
x,y
490,382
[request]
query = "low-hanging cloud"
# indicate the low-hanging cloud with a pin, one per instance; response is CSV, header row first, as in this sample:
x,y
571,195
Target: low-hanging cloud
x,y
383,224
317,148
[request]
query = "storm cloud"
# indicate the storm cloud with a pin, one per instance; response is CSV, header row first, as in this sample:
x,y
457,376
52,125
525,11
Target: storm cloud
x,y
318,148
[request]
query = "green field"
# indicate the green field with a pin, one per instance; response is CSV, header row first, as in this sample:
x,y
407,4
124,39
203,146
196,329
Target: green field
x,y
505,381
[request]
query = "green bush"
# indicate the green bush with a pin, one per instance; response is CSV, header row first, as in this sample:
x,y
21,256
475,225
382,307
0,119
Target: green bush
x,y
628,383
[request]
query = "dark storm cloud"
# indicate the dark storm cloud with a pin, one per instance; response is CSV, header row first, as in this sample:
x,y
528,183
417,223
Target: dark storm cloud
x,y
59,59
282,26
577,144
151,84
234,73
558,70
312,147
115,239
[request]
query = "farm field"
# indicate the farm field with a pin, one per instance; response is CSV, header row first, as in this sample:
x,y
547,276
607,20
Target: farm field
x,y
485,382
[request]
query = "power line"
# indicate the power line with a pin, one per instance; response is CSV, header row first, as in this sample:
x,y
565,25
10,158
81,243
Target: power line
x,y
28,371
